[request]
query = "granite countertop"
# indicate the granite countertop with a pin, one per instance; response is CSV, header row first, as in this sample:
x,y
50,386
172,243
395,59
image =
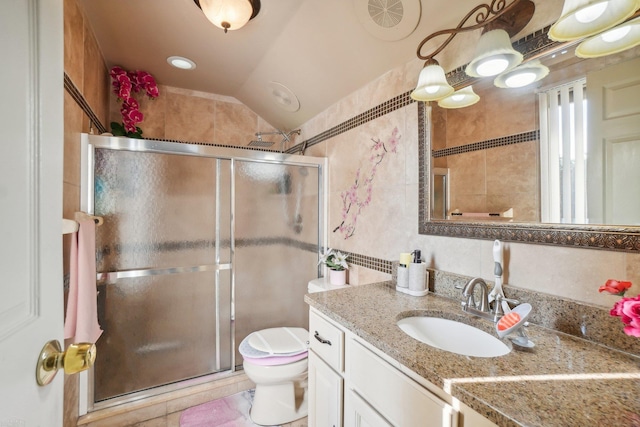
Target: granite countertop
x,y
563,381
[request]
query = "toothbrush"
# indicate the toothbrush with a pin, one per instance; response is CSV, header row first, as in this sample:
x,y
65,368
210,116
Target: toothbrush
x,y
497,271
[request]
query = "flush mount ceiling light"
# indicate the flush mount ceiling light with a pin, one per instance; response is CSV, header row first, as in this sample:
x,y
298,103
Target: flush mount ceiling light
x,y
229,14
181,62
460,98
432,83
522,75
622,37
584,18
499,20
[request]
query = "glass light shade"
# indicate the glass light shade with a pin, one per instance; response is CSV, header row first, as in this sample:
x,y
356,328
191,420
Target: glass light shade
x,y
494,55
584,18
227,14
460,98
622,37
522,75
432,84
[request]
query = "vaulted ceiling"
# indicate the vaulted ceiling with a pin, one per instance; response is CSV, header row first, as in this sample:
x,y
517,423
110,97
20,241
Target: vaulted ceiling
x,y
311,51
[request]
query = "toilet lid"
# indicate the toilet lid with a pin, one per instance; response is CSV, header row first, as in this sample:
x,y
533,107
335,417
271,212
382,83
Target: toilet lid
x,y
275,342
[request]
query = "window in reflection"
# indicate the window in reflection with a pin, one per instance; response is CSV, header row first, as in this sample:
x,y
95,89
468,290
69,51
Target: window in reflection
x,y
563,153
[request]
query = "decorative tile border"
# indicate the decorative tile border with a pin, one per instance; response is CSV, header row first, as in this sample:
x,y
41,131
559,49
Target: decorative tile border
x,y
378,111
370,262
82,103
533,135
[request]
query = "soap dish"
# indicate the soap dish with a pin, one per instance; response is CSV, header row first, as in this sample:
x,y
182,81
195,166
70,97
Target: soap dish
x,y
523,311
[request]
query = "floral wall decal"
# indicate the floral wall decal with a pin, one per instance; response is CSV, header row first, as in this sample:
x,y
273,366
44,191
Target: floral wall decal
x,y
359,195
125,83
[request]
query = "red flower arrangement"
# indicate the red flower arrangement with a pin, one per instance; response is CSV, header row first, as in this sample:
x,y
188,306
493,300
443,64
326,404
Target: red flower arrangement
x,y
125,83
627,309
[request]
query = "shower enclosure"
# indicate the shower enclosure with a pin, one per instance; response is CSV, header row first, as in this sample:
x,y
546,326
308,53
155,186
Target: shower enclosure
x,y
200,246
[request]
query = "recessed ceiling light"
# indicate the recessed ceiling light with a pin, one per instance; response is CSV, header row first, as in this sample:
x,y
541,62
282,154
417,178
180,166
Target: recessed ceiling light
x,y
181,62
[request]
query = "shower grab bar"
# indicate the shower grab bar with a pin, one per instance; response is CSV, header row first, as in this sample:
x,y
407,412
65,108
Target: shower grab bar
x,y
112,276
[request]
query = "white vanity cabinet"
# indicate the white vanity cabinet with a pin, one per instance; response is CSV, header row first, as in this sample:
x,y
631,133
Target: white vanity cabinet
x,y
351,383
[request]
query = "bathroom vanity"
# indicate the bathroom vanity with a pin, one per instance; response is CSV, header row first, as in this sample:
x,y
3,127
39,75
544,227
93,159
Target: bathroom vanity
x,y
363,370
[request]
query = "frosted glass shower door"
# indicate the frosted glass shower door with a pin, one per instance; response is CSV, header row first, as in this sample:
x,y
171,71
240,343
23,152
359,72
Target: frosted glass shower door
x,y
277,230
164,264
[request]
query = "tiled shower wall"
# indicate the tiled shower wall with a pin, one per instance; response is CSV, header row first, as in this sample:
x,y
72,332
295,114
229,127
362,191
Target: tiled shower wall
x,y
187,115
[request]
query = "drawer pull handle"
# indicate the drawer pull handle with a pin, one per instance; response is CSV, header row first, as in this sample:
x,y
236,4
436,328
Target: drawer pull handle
x,y
322,340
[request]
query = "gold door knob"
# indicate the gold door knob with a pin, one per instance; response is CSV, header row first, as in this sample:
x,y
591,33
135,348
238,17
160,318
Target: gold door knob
x,y
78,357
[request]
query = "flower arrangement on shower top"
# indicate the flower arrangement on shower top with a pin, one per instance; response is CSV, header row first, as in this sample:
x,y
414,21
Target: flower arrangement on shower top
x,y
335,260
125,84
359,195
627,309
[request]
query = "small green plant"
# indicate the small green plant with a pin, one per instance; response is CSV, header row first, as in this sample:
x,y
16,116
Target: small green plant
x,y
335,260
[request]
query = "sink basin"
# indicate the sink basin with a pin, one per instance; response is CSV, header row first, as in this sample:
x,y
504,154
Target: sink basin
x,y
453,336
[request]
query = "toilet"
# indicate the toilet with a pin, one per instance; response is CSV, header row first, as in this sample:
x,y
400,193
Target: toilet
x,y
275,359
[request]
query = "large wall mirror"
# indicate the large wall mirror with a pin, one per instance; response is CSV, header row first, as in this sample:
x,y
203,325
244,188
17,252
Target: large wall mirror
x,y
499,169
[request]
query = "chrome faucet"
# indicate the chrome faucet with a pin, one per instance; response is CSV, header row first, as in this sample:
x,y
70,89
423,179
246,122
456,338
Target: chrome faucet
x,y
470,305
483,308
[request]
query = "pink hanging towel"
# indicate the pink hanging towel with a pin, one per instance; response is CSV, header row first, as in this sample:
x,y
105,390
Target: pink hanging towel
x,y
81,322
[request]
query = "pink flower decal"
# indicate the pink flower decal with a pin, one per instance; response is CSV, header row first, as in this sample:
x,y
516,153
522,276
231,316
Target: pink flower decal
x,y
360,194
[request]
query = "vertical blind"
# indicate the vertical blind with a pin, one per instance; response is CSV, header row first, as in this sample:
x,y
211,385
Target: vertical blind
x,y
563,153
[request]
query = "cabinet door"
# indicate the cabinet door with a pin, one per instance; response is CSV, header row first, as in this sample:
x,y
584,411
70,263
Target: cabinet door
x,y
325,394
357,413
398,398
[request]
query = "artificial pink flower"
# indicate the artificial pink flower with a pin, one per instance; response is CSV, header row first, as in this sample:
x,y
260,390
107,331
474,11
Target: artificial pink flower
x,y
615,287
628,309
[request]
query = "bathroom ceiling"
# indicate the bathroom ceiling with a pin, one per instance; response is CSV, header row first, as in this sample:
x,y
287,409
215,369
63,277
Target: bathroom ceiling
x,y
320,50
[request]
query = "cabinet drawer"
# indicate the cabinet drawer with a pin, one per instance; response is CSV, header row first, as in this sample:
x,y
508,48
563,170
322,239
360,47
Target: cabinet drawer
x,y
327,341
395,396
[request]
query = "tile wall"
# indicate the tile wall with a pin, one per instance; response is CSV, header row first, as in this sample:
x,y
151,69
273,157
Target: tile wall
x,y
491,151
192,116
388,225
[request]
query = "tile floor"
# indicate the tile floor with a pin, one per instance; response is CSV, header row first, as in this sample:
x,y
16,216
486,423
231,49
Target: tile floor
x,y
165,410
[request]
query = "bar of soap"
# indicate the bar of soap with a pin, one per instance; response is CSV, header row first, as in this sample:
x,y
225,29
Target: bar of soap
x,y
508,320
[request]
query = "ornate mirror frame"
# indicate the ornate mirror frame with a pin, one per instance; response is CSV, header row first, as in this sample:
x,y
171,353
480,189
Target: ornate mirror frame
x,y
612,238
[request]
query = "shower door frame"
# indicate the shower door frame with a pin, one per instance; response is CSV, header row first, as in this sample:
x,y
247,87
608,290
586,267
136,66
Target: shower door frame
x,y
88,145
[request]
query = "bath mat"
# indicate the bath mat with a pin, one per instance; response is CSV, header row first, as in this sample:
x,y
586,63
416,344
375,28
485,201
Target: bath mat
x,y
230,411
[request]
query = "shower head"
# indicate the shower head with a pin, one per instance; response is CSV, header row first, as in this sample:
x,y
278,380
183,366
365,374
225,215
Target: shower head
x,y
259,142
286,137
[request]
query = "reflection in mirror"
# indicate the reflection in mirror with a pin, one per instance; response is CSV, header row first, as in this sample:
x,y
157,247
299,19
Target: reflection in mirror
x,y
519,151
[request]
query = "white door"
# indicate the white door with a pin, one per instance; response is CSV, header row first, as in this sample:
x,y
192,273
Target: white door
x,y
614,144
31,146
